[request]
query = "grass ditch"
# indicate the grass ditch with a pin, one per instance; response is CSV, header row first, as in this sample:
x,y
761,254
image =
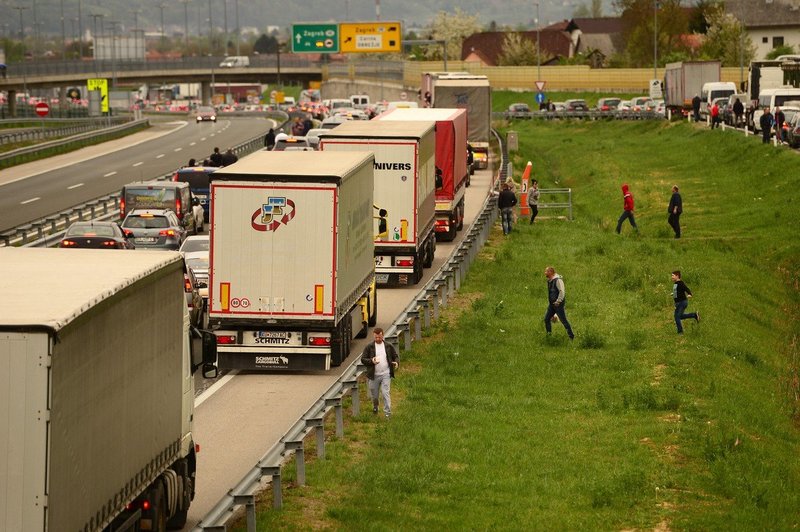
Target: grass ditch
x,y
498,426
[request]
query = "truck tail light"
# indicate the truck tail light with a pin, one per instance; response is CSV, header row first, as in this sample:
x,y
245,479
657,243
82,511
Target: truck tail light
x,y
121,208
226,339
319,340
178,208
405,262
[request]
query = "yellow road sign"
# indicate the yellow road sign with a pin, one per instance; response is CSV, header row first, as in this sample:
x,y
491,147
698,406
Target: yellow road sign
x,y
99,84
370,36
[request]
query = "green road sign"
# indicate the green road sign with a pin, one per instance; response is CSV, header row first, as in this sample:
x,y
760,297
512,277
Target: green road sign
x,y
315,38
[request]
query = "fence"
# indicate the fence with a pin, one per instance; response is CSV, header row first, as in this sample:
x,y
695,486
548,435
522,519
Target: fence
x,y
556,198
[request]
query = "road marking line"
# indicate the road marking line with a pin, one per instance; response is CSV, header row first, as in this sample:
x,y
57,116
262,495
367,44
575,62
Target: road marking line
x,y
29,201
159,156
75,186
138,164
214,388
192,143
177,149
110,174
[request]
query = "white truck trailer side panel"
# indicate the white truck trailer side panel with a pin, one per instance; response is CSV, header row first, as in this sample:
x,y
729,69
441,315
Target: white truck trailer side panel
x,y
23,425
291,247
116,324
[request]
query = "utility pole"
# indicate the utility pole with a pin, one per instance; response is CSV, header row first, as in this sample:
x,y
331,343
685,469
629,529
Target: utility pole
x,y
186,23
63,33
377,9
161,8
655,40
225,23
538,46
80,31
238,29
210,31
20,9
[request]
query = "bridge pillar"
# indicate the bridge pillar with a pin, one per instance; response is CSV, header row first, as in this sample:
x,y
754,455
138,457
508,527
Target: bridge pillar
x,y
63,104
205,92
12,103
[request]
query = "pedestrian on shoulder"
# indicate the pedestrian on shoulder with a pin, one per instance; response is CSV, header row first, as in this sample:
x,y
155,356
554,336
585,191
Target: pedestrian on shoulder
x,y
269,139
681,295
506,203
381,360
714,115
228,158
766,122
675,209
696,107
192,162
738,111
216,157
556,301
533,199
627,209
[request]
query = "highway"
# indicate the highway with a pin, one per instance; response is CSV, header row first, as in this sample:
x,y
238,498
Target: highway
x,y
35,190
242,415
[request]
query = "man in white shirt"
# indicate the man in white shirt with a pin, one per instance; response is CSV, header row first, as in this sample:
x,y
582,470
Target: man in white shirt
x,y
381,360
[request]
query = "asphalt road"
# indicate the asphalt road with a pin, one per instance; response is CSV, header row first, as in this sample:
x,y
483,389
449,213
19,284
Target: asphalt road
x,y
35,190
244,414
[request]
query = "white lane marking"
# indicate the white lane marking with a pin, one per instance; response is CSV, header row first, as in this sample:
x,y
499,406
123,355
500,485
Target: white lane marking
x,y
203,139
192,143
138,164
159,156
29,201
177,149
75,186
110,174
211,390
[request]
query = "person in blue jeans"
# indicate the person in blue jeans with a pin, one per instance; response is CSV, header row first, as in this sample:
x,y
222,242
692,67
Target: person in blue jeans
x,y
681,295
506,203
556,297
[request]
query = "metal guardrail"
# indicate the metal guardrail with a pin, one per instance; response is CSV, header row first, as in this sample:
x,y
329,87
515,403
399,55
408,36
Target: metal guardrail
x,y
406,328
584,115
22,155
39,133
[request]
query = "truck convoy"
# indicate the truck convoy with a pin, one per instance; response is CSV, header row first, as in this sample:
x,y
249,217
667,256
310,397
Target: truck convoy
x,y
97,400
405,201
684,80
291,261
451,165
471,92
779,73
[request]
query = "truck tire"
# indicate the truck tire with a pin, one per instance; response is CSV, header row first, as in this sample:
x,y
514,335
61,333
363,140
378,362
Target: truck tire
x,y
373,309
159,510
418,266
430,251
460,214
340,345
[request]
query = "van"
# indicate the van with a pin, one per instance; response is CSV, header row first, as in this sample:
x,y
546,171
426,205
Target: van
x,y
170,195
198,181
713,90
359,101
235,61
772,98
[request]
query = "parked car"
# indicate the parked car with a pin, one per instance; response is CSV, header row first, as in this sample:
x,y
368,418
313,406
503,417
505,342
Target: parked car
x,y
576,105
642,103
95,235
625,106
518,110
608,104
788,114
793,130
660,107
206,114
195,250
154,228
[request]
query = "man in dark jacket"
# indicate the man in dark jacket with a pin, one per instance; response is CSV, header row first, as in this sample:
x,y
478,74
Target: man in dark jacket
x,y
738,111
381,360
506,203
627,209
675,209
680,294
556,298
766,122
269,139
696,107
216,158
229,157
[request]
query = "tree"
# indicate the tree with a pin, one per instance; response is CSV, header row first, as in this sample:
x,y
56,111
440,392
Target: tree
x,y
727,40
780,50
697,20
266,45
517,51
639,22
454,28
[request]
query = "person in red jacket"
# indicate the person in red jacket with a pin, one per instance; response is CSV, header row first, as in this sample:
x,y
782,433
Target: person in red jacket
x,y
627,205
714,115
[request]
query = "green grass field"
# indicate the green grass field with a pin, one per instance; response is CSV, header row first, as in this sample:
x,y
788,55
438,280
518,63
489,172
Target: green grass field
x,y
498,426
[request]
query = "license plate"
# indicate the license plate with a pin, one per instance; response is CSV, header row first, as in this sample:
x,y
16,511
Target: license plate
x,y
381,278
145,239
272,334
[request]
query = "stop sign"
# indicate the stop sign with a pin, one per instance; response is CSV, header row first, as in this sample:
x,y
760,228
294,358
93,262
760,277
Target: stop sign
x,y
42,109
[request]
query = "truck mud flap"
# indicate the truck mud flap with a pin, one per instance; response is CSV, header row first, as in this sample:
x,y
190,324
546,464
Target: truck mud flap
x,y
291,362
394,279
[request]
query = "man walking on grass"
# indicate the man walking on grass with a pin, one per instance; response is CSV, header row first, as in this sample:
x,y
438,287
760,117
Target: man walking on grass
x,y
680,294
556,297
627,209
381,361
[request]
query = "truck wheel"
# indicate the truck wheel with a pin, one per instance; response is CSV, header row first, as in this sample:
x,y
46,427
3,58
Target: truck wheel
x,y
159,507
418,266
340,343
460,214
372,320
430,251
178,521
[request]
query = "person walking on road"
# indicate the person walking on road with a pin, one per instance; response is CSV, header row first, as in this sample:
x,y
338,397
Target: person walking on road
x,y
696,107
556,298
675,209
627,209
681,295
766,122
533,199
381,360
269,139
506,203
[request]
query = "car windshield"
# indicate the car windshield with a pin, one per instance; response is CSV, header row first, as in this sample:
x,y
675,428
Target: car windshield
x,y
90,230
198,263
145,221
205,110
196,244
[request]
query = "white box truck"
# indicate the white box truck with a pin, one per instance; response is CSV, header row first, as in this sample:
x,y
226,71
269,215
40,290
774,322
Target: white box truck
x,y
98,395
292,275
684,80
451,163
405,201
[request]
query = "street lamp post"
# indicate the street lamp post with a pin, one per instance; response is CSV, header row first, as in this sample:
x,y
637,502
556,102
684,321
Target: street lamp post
x,y
80,31
538,47
210,30
238,29
655,40
186,23
20,9
161,8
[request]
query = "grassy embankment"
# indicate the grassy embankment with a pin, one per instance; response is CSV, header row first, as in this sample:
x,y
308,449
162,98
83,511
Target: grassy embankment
x,y
630,426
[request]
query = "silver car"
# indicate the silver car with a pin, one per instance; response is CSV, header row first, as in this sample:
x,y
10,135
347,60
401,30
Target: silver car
x,y
154,229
